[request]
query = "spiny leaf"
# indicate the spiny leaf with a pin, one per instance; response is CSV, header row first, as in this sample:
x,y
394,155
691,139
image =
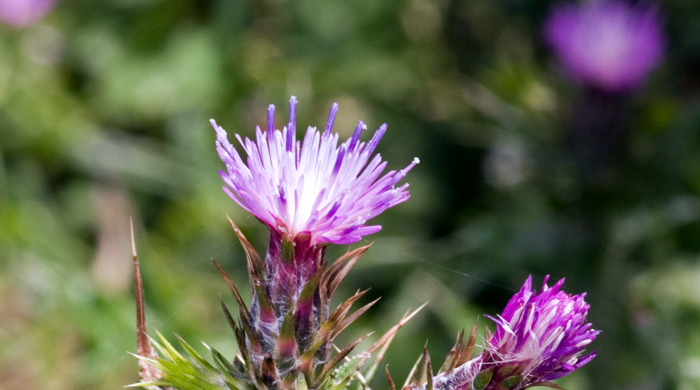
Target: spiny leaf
x,y
194,354
459,354
358,381
229,318
242,347
150,384
306,359
338,270
327,331
392,385
143,345
350,319
454,353
340,378
236,295
427,370
256,267
167,349
466,353
412,377
331,364
251,337
182,373
392,332
224,366
383,344
342,309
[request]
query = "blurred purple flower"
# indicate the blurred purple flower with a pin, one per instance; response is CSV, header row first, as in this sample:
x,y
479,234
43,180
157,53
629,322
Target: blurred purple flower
x,y
539,337
607,44
20,13
313,188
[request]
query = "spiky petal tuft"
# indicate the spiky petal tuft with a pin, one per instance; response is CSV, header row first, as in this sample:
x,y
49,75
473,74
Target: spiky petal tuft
x,y
539,337
312,187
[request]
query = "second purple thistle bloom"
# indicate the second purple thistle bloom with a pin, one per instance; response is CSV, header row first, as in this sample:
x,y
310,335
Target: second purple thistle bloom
x,y
312,187
21,13
541,337
608,44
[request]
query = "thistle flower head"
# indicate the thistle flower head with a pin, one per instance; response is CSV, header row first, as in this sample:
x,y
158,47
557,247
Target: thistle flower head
x,y
20,13
312,187
606,44
540,337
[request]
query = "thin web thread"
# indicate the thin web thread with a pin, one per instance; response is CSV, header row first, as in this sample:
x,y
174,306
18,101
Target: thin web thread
x,y
234,246
379,244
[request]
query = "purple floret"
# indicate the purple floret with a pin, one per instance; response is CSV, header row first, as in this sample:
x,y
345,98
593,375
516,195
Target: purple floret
x,y
607,44
314,186
21,13
542,335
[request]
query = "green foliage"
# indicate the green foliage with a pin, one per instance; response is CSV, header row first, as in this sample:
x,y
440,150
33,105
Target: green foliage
x,y
103,116
191,372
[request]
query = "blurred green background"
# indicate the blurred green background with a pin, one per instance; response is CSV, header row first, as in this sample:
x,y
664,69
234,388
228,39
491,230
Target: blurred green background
x,y
104,110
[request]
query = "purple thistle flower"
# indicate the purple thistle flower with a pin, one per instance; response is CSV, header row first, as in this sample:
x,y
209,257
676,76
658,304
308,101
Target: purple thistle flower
x,y
606,44
539,337
311,188
20,13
